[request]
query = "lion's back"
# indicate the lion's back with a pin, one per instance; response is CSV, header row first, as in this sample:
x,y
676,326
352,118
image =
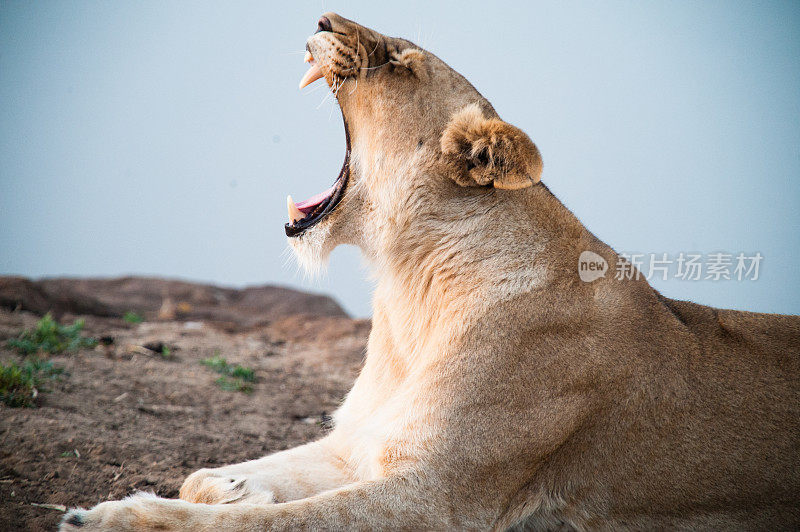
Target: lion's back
x,y
773,336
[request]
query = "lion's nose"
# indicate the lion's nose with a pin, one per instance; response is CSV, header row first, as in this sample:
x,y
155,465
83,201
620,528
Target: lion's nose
x,y
324,24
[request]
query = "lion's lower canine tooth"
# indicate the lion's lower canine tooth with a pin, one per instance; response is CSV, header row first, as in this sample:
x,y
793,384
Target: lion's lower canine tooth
x,y
295,214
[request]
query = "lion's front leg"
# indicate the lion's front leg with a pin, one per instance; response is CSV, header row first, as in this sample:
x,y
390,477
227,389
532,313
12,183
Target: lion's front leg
x,y
285,476
389,503
145,512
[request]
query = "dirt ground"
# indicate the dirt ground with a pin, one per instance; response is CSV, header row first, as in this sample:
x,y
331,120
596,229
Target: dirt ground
x,y
123,418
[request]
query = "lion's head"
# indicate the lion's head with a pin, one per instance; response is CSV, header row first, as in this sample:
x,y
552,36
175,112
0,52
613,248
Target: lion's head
x,y
424,149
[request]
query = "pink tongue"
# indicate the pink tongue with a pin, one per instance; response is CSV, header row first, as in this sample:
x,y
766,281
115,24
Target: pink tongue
x,y
308,205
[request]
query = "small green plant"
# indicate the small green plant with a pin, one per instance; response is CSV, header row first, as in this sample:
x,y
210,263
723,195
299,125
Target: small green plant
x,y
234,385
220,365
235,378
132,317
246,374
217,363
20,383
51,337
166,352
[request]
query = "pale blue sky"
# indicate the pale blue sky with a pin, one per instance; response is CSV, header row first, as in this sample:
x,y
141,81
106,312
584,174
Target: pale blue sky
x,y
162,137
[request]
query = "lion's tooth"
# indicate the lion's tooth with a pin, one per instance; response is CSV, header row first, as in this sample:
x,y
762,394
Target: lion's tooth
x,y
295,214
311,75
308,57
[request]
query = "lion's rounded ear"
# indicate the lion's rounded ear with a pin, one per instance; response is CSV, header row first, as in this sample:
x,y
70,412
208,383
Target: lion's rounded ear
x,y
487,151
408,61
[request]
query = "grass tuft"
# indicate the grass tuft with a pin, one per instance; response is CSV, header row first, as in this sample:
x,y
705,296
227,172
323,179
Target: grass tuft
x,y
50,337
234,385
20,383
235,378
132,317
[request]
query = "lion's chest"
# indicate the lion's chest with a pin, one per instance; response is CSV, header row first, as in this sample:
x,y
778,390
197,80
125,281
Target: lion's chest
x,y
380,433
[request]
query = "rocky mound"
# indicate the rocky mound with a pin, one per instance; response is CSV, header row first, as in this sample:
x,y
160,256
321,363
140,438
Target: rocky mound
x,y
163,299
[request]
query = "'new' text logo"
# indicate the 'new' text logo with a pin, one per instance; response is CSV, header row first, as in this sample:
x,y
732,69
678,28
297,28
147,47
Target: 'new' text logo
x,y
591,266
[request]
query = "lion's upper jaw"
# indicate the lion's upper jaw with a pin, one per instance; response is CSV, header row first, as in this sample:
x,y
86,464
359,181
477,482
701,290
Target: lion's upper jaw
x,y
335,56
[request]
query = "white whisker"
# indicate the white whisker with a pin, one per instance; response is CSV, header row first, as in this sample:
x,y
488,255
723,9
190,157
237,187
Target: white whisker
x,y
339,87
330,113
324,99
317,87
376,66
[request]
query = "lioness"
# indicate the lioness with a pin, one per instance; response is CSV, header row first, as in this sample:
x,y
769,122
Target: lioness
x,y
499,390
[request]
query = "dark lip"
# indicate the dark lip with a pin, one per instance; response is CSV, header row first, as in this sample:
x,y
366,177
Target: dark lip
x,y
325,208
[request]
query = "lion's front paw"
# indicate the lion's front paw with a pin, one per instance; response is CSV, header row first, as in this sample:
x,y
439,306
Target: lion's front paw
x,y
73,520
143,511
112,515
212,486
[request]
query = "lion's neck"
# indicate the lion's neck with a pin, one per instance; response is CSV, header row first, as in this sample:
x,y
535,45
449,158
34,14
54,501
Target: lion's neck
x,y
435,279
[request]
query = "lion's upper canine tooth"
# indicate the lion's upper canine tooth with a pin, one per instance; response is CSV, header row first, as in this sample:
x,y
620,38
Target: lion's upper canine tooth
x,y
295,214
308,57
311,75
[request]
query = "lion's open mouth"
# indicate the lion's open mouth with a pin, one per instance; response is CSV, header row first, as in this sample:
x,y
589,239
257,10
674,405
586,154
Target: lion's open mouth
x,y
310,212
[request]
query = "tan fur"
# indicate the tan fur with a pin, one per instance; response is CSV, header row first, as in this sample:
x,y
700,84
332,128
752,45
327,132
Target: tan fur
x,y
499,390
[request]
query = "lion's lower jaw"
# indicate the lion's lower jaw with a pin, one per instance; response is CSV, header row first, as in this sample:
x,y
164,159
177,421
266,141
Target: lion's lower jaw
x,y
312,250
